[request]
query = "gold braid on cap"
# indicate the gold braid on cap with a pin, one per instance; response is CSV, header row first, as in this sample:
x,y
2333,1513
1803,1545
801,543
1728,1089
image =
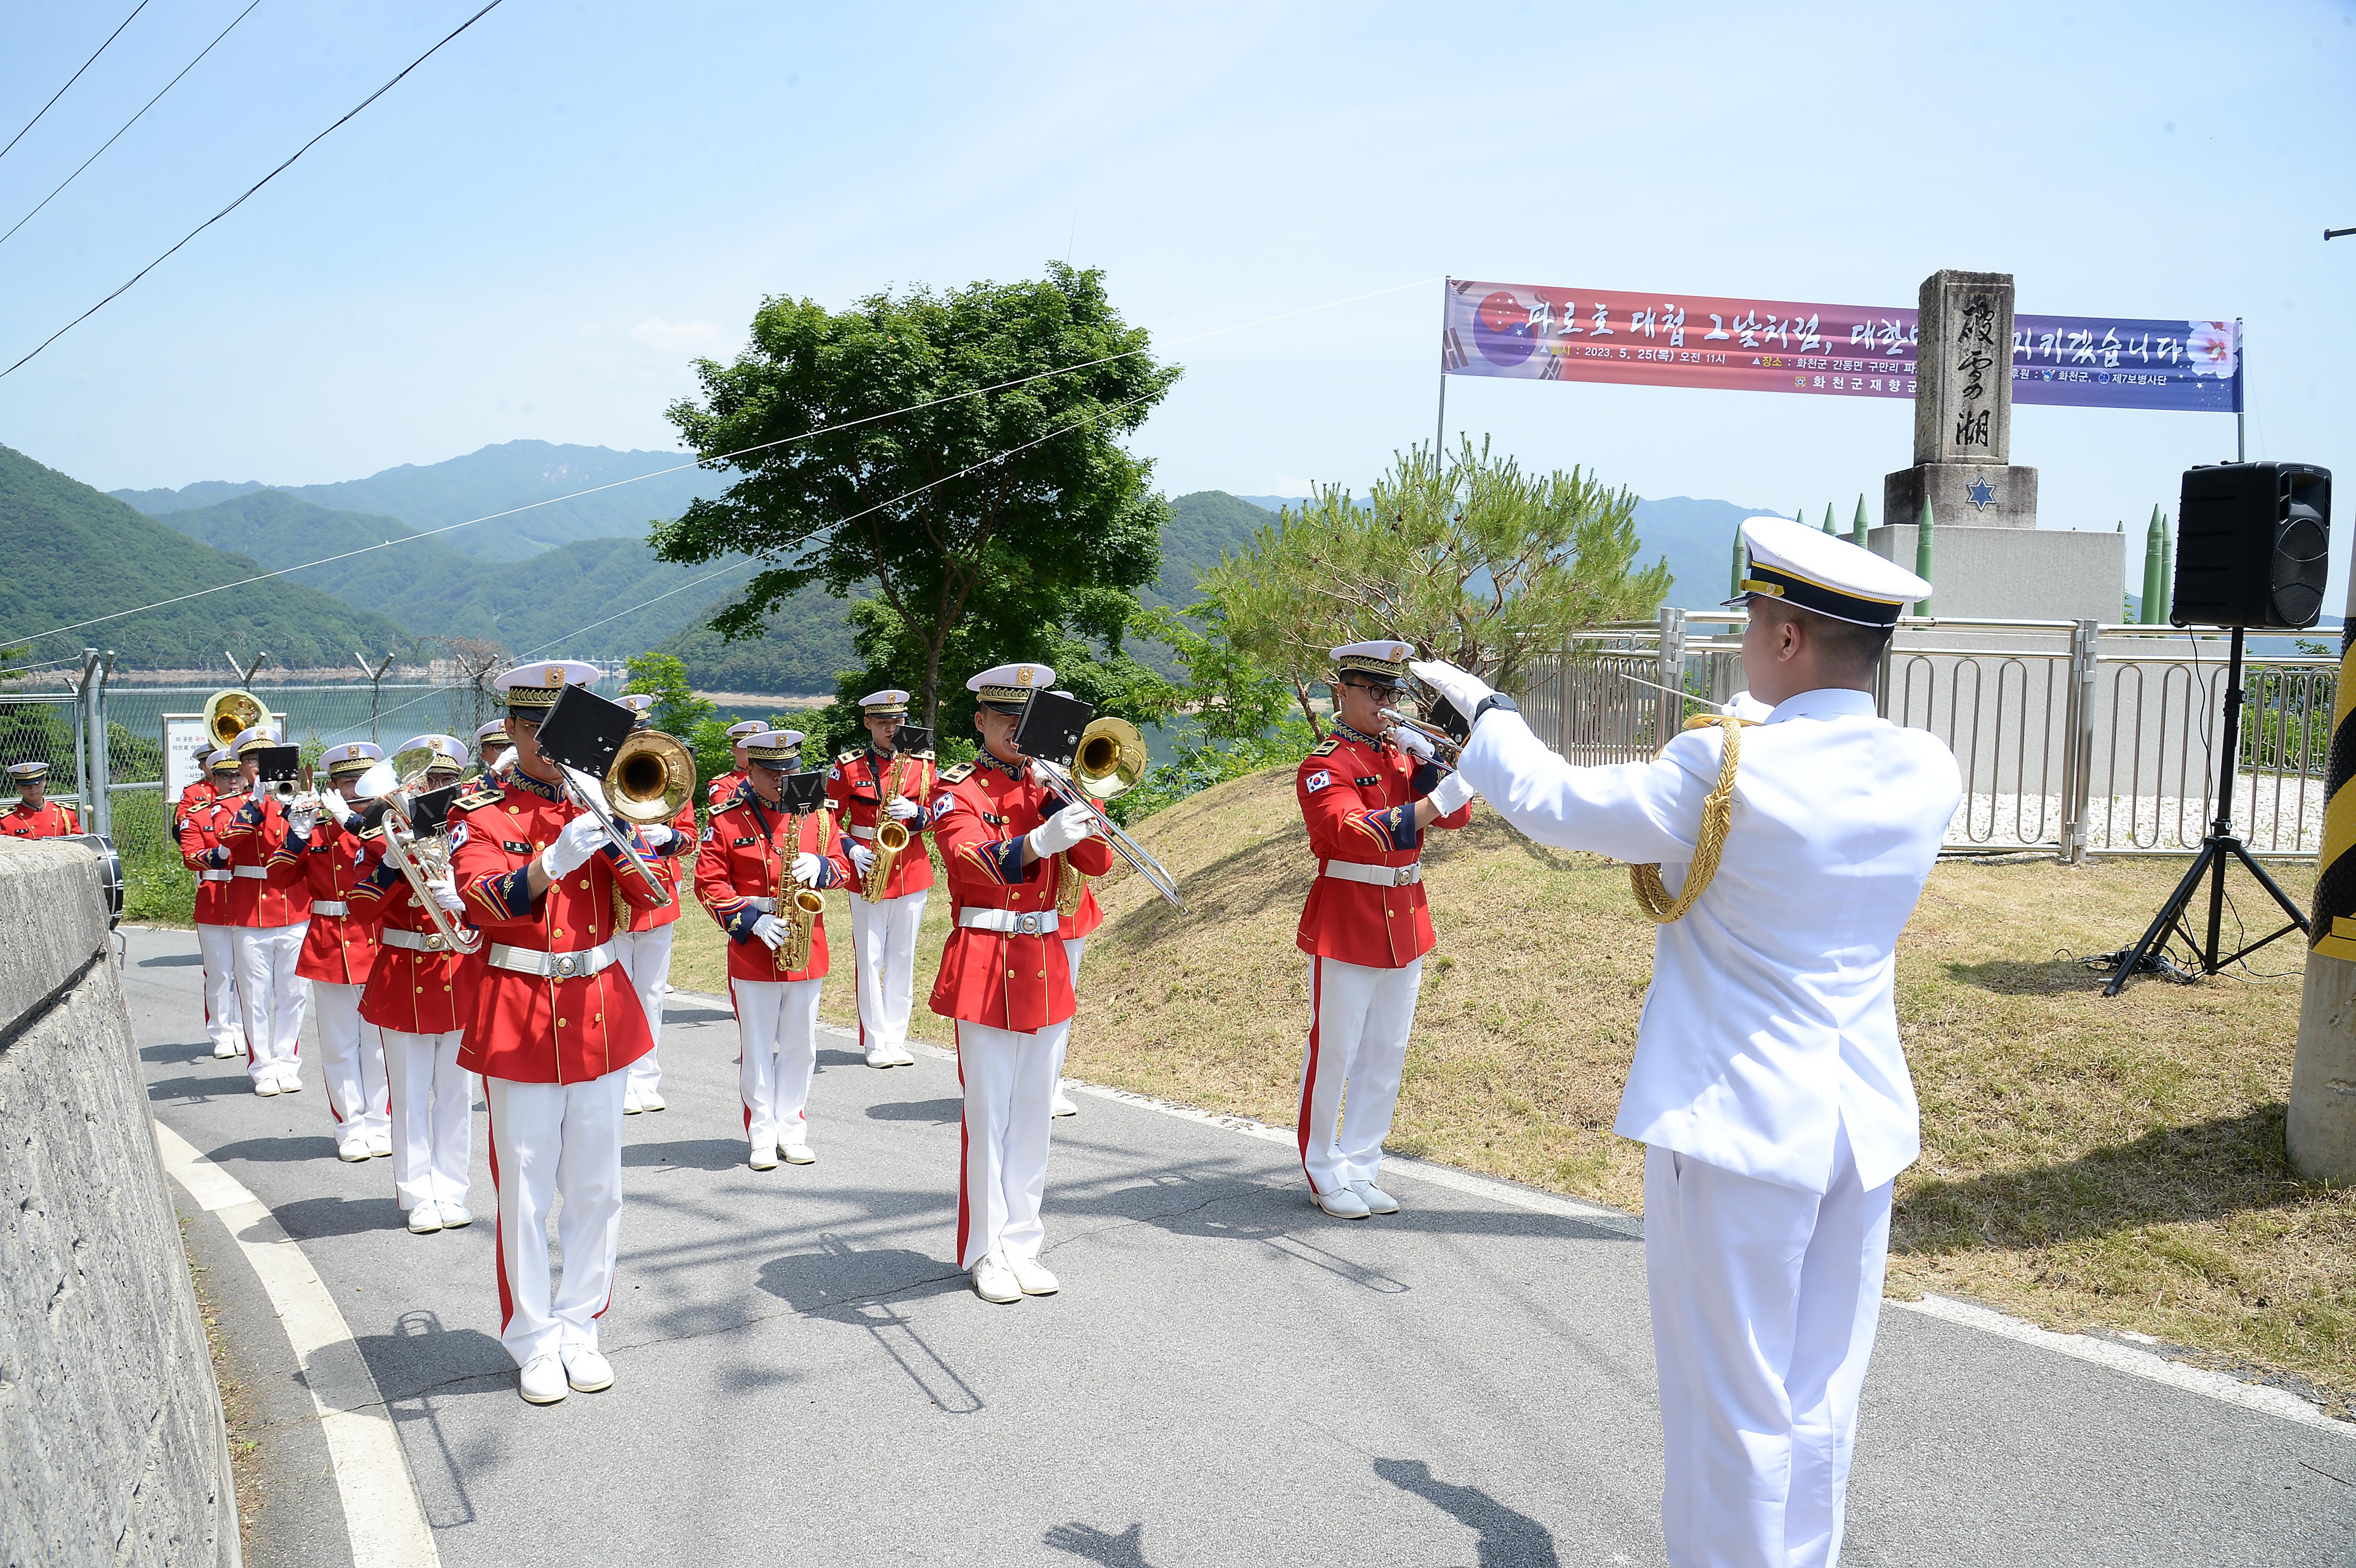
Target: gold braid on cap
x,y
1717,818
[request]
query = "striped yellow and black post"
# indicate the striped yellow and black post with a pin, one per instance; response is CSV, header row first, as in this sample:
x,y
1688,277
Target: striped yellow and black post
x,y
2321,1129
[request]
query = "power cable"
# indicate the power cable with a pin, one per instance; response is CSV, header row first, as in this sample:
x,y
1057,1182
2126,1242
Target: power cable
x,y
60,92
151,103
716,457
256,186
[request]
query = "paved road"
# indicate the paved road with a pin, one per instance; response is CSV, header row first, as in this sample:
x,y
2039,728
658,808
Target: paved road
x,y
1228,1376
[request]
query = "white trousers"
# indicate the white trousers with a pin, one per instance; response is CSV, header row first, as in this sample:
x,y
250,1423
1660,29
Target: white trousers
x,y
271,996
1009,1077
432,1136
1765,1300
883,962
777,1032
552,1140
1073,947
224,1024
1358,1023
352,1059
645,959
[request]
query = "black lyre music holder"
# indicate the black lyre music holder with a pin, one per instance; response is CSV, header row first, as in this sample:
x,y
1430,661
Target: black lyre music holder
x,y
583,730
279,764
1050,727
803,792
909,739
429,813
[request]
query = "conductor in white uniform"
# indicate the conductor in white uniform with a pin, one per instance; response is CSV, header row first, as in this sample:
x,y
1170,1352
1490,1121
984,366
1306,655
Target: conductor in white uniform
x,y
1768,1083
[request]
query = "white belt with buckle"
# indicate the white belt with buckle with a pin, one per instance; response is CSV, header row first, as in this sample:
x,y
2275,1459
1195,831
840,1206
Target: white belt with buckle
x,y
553,966
1013,922
767,906
217,876
330,906
409,941
255,873
1373,875
857,832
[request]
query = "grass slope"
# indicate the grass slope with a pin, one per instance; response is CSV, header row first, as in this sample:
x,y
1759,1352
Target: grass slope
x,y
2087,1163
75,552
511,474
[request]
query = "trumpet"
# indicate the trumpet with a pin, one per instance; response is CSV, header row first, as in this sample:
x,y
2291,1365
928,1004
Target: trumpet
x,y
1110,758
419,857
1451,753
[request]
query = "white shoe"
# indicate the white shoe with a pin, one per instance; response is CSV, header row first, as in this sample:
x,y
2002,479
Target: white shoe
x,y
630,1104
1377,1200
650,1101
352,1151
424,1220
290,1082
1060,1105
799,1154
763,1159
266,1084
380,1146
588,1371
1033,1276
542,1381
901,1056
223,1049
993,1281
880,1055
455,1216
1343,1204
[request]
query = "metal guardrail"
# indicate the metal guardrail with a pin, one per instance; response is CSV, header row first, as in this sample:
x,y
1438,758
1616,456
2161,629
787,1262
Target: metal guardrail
x,y
2072,738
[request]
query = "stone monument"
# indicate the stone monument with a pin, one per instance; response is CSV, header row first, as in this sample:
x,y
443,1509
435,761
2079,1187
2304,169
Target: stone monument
x,y
1989,559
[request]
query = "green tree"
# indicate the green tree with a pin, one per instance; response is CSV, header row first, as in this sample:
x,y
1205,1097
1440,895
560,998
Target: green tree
x,y
1237,713
977,525
1473,561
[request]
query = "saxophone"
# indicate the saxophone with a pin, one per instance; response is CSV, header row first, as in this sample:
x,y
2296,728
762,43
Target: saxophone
x,y
891,839
800,907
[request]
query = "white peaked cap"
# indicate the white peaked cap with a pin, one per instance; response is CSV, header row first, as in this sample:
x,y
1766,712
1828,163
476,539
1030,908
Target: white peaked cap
x,y
1824,572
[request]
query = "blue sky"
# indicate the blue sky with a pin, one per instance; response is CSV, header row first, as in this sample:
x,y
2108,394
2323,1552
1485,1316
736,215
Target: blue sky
x,y
533,235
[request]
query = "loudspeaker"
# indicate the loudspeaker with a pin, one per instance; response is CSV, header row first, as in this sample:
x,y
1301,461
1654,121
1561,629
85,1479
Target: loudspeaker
x,y
2252,545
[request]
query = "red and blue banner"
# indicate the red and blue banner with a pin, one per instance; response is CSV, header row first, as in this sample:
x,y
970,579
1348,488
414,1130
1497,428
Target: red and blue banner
x,y
1527,332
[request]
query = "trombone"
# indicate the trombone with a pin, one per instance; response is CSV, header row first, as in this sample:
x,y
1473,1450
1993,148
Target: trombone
x,y
649,779
1110,760
419,857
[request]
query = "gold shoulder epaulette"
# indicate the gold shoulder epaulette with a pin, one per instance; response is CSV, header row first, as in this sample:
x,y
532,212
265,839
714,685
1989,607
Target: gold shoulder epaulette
x,y
957,775
849,756
1330,744
477,798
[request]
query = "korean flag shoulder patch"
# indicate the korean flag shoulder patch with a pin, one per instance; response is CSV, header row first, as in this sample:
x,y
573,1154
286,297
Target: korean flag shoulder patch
x,y
1316,781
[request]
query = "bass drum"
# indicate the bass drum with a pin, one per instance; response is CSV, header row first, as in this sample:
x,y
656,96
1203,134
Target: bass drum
x,y
110,873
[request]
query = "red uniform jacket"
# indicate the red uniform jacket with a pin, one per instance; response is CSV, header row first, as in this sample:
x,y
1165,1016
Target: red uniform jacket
x,y
413,992
668,869
526,1029
326,867
747,853
52,819
193,796
1358,797
251,833
1006,979
202,852
857,785
723,790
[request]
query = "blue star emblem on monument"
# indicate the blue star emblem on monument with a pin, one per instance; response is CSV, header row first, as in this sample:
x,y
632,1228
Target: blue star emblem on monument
x,y
1981,492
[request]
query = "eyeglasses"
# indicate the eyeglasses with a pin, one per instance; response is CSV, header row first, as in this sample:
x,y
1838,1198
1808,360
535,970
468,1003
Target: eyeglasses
x,y
1391,693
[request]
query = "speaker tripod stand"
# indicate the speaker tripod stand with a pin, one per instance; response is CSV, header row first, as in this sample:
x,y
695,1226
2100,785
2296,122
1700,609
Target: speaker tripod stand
x,y
2216,850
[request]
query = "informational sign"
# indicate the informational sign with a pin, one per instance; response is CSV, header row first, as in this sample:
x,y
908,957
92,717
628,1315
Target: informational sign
x,y
184,737
1531,332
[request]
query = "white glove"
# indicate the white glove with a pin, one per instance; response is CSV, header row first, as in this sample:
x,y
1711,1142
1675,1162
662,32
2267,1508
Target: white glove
x,y
806,869
770,931
1414,742
1451,793
300,823
657,837
1060,832
446,895
900,808
582,837
863,858
1465,693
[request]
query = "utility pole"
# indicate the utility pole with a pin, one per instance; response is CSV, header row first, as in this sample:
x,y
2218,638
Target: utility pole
x,y
376,680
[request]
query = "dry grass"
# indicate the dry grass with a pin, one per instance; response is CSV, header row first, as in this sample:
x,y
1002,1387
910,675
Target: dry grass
x,y
2087,1163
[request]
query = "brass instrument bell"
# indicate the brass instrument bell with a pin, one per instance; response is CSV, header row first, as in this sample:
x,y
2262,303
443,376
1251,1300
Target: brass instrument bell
x,y
230,713
1111,758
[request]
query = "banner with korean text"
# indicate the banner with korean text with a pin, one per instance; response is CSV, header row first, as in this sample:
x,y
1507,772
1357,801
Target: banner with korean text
x,y
1542,334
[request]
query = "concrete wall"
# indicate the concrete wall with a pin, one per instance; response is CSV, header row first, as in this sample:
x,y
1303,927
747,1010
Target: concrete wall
x,y
111,1446
2015,574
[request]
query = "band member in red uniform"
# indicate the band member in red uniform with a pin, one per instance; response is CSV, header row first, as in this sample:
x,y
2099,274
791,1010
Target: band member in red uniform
x,y
645,945
491,744
202,852
755,857
196,793
322,858
446,763
35,815
1004,841
873,785
420,998
268,940
553,1031
1368,793
1077,916
722,788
